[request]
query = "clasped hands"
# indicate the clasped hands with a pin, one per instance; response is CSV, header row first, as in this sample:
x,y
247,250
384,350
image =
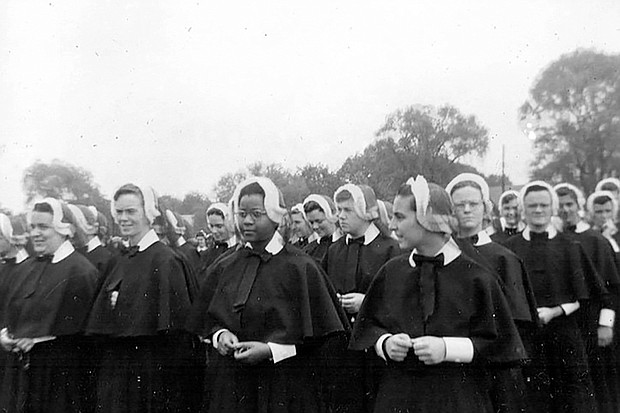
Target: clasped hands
x,y
429,349
246,352
8,343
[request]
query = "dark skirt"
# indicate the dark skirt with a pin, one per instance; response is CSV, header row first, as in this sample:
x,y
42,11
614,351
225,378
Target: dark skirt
x,y
444,388
150,374
290,386
55,376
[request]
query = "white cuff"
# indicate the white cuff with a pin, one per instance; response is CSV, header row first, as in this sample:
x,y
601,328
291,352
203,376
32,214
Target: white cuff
x,y
459,349
281,352
570,308
607,317
379,346
216,336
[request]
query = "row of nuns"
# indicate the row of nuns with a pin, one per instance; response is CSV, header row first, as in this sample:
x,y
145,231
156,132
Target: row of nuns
x,y
419,312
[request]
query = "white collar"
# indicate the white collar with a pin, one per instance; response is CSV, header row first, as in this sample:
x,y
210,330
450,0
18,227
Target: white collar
x,y
21,256
65,249
147,240
371,233
520,225
274,246
313,237
582,227
483,239
181,241
550,230
93,243
232,241
450,251
336,235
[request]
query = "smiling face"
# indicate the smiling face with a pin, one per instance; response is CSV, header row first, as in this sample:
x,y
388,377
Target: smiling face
x,y
254,229
320,224
510,212
300,226
131,217
537,209
45,239
468,209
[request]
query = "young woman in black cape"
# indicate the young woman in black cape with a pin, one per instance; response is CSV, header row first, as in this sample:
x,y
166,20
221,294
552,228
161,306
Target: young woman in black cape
x,y
268,308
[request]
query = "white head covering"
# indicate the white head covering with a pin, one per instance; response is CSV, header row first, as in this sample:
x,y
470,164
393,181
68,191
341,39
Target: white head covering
x,y
581,200
90,225
384,213
175,223
149,196
599,194
225,209
325,204
554,197
274,202
505,194
614,181
59,212
364,200
6,229
79,219
433,205
477,179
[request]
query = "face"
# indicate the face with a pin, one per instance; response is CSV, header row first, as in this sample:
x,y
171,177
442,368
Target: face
x,y
255,229
202,242
218,227
602,213
569,210
319,223
350,222
404,224
300,226
44,237
537,209
468,208
510,212
131,217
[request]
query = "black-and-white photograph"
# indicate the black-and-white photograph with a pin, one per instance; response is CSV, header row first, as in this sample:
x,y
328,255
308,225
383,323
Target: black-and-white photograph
x,y
331,206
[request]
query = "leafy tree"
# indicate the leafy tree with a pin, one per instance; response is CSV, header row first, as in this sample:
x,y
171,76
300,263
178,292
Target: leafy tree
x,y
319,179
64,181
574,112
226,185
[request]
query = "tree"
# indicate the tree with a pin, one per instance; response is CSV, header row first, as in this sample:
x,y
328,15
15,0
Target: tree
x,y
417,140
574,112
226,185
64,181
319,179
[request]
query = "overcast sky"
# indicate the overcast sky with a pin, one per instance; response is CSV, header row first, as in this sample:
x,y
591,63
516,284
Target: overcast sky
x,y
179,93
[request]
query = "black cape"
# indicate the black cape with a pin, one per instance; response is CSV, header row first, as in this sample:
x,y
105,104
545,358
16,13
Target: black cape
x,y
290,302
469,303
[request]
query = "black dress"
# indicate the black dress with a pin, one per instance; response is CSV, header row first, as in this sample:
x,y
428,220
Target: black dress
x,y
602,360
317,249
468,303
149,362
283,298
48,299
558,375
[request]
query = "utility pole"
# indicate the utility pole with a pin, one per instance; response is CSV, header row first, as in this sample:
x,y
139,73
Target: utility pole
x,y
503,167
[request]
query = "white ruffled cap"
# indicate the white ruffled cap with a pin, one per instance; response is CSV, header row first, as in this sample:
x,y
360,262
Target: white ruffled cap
x,y
554,197
150,203
433,205
581,200
505,194
484,187
5,227
364,200
80,220
274,202
63,228
324,203
599,194
614,181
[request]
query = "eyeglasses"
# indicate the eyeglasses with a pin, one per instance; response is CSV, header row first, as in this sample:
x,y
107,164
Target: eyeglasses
x,y
471,204
256,214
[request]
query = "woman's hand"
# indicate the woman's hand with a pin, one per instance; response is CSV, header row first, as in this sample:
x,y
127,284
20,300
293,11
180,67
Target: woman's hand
x,y
429,349
397,346
352,302
226,343
252,352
